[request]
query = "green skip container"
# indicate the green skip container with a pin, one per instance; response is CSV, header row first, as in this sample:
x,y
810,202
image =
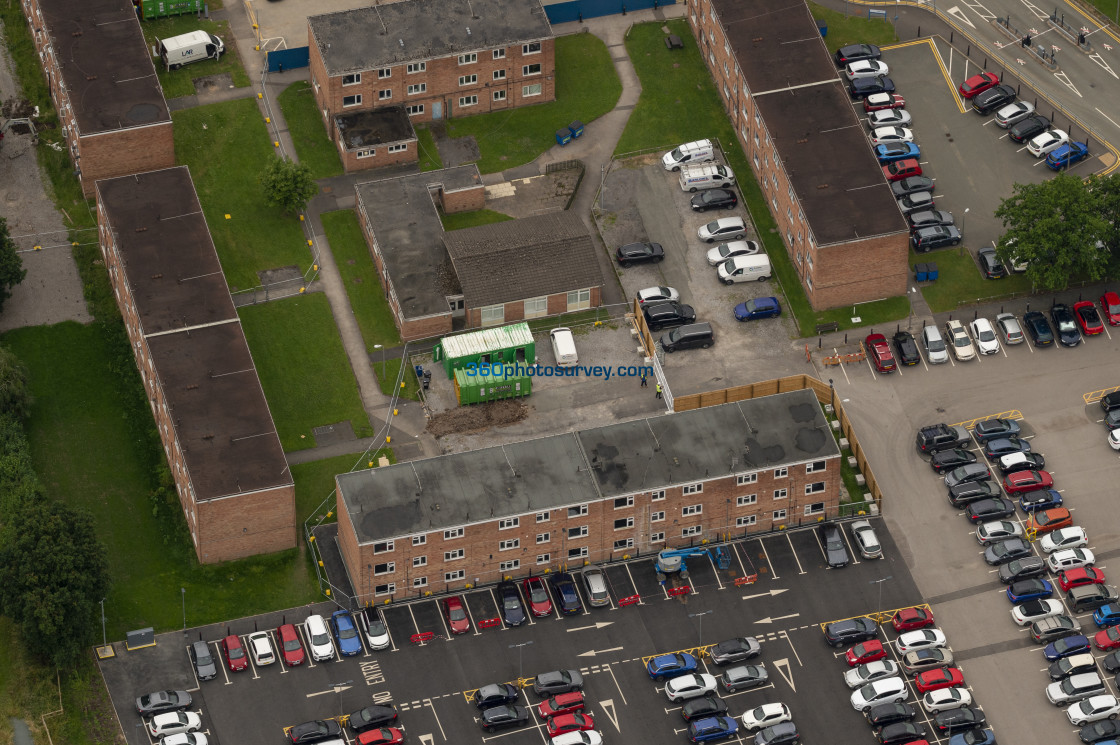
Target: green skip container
x,y
501,382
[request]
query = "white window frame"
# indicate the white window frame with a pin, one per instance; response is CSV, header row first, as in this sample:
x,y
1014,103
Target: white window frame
x,y
455,555
528,48
386,589
657,496
543,558
499,75
580,531
745,521
779,515
509,545
384,72
746,500
455,576
692,509
369,152
385,95
416,109
657,538
579,299
389,567
578,511
627,523
397,148
468,59
657,517
781,473
535,307
492,315
510,566
500,53
500,95
579,552
691,530
543,538
419,561
692,489
383,547
452,533
468,80
627,501
417,88
746,478
508,523
543,517
815,508
781,494
465,102
351,79
355,100
817,465
419,583
415,67
817,487
528,91
623,543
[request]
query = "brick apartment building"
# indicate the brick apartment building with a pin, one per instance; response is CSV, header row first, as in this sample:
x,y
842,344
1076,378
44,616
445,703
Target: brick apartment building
x,y
221,444
437,58
588,496
376,138
794,118
103,82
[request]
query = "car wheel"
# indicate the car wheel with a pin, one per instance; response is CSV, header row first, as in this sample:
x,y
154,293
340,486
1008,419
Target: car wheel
x,y
741,236
725,186
658,259
956,243
676,168
692,190
668,350
709,240
1111,716
730,207
489,729
728,282
624,264
705,345
660,678
762,279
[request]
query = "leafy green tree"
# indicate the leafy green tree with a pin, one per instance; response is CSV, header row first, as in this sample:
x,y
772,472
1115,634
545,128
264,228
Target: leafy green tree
x,y
15,398
288,185
11,265
1056,227
53,574
1106,193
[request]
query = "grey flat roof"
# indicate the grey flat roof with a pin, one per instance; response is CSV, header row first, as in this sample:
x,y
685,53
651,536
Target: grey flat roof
x,y
409,234
168,255
574,468
374,127
107,67
389,34
815,129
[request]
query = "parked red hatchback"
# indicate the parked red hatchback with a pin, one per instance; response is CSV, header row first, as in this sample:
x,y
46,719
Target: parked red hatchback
x,y
290,646
1071,578
539,603
1021,481
901,169
1108,638
942,677
234,653
569,723
866,652
564,703
381,736
909,619
1110,304
1088,318
978,84
456,616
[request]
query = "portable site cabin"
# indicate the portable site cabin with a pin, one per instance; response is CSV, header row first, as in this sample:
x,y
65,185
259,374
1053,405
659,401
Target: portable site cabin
x,y
500,382
509,345
150,9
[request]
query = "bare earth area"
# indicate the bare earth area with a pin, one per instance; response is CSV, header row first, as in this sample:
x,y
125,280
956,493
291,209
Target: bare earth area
x,y
476,418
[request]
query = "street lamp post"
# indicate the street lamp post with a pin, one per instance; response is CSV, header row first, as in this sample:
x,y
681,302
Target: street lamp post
x,y
700,615
183,592
879,607
963,215
339,688
519,647
104,639
378,346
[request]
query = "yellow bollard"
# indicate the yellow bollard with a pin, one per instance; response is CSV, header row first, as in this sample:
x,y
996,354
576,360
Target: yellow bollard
x,y
371,464
394,412
309,242
302,290
227,216
275,143
268,120
388,439
301,218
259,95
315,267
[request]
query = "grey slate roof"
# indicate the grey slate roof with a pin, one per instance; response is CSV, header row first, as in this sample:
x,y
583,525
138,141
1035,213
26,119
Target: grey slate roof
x,y
525,258
389,34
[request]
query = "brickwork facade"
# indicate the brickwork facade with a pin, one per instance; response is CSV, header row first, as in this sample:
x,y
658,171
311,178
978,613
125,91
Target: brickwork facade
x,y
387,154
462,200
560,302
126,151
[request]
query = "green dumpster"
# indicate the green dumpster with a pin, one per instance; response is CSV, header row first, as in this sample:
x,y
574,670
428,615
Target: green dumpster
x,y
511,344
491,384
150,9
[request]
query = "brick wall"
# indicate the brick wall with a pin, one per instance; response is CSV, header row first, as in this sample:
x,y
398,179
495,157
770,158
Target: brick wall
x,y
515,311
853,272
247,524
463,200
125,151
423,328
378,156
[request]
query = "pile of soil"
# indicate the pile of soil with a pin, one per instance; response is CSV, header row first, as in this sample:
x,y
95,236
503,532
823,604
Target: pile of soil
x,y
470,419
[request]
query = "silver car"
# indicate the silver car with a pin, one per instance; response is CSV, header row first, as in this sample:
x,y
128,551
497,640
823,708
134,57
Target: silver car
x,y
1009,329
1013,113
596,583
867,543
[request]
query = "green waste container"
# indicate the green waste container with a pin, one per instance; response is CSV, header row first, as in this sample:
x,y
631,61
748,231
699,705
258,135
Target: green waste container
x,y
491,384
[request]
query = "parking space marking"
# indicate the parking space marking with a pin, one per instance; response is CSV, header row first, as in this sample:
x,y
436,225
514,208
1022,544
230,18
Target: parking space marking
x,y
789,540
773,574
610,669
277,650
820,547
501,615
836,353
428,703
853,552
585,605
412,615
470,618
221,661
715,569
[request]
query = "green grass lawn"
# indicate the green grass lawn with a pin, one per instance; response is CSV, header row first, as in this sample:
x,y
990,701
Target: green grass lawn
x,y
304,370
387,371
959,281
429,154
1107,7
315,482
180,82
587,87
227,147
845,29
363,285
305,124
472,219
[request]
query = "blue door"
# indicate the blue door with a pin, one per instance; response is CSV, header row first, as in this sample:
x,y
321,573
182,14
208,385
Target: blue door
x,y
437,109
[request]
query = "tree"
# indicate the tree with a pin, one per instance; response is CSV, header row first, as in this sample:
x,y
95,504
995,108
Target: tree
x,y
14,397
1106,192
53,574
288,185
11,265
1057,228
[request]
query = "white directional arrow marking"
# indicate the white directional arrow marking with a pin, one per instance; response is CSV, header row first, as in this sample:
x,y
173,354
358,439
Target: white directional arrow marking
x,y
783,668
769,619
772,593
597,625
593,652
607,705
336,689
960,16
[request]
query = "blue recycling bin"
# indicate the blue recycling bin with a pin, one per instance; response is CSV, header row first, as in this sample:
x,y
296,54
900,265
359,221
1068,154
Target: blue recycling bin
x,y
576,128
822,26
932,270
921,272
419,371
563,136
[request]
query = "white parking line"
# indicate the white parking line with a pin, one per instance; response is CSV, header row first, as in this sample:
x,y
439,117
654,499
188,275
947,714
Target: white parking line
x,y
501,615
633,583
795,558
855,554
428,703
773,574
415,625
221,661
301,629
470,618
446,631
715,569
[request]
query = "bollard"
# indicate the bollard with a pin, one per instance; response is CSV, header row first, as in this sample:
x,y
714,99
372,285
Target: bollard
x,y
820,342
975,314
950,37
845,338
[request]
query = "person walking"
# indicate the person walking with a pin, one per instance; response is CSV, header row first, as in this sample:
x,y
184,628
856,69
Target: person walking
x,y
659,390
643,380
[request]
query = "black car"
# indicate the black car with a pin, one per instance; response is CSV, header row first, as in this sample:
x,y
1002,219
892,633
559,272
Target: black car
x,y
864,87
850,631
900,733
1112,419
835,550
990,509
969,472
937,236
735,650
947,460
856,53
638,253
1111,662
1029,128
1029,462
203,660
965,494
1068,666
906,348
372,716
160,702
929,219
503,716
495,694
1110,401
316,731
1065,325
513,610
996,97
990,264
1004,551
954,720
1106,729
1039,328
567,597
714,199
991,429
884,714
705,706
911,184
934,437
1001,446
665,315
1031,566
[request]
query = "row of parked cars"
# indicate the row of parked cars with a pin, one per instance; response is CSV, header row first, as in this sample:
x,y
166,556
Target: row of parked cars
x,y
563,708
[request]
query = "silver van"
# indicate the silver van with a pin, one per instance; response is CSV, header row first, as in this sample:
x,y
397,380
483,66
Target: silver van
x,y
936,351
700,151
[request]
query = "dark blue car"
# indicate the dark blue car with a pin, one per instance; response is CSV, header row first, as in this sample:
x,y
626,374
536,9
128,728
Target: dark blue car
x,y
1029,589
864,87
513,610
1042,499
1067,646
889,152
975,736
567,597
712,728
347,634
1107,615
1066,155
760,307
668,666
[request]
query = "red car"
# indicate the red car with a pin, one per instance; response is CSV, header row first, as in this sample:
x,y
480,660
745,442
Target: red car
x,y
1047,520
456,615
569,723
1088,318
1110,304
290,647
880,353
978,84
942,677
1071,578
236,659
882,101
564,703
1108,638
901,169
539,603
865,652
909,619
381,736
1021,481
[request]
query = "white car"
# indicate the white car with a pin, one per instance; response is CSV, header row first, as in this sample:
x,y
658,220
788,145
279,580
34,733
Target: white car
x,y
261,648
1093,709
998,530
174,723
866,69
920,639
959,341
765,716
946,698
1034,610
889,118
690,686
866,541
1009,328
322,647
657,295
985,337
884,135
725,227
1070,558
185,738
1013,113
579,737
1047,141
1071,537
1114,439
885,691
725,251
861,675
377,636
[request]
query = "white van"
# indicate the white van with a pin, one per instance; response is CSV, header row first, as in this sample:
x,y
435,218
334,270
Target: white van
x,y
707,176
193,47
936,351
564,347
700,151
754,267
322,648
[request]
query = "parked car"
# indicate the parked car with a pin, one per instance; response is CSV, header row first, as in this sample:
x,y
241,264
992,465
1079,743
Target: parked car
x,y
934,437
1009,329
742,677
1093,709
739,649
1046,142
513,610
978,84
916,202
890,152
1013,571
1013,462
756,308
936,352
941,677
893,117
990,429
765,716
955,720
965,494
883,101
1007,550
835,550
920,639
1022,481
898,170
908,619
689,686
943,699
881,135
347,635
968,472
885,691
1067,155
959,342
1013,113
937,236
906,348
861,675
174,723
557,681
880,353
714,199
1070,558
1042,521
1110,306
1038,328
997,96
725,251
704,706
1043,499
639,253
944,461
989,509
666,666
1088,318
864,87
839,633
1067,666
865,68
865,652
712,728
236,659
595,582
456,615
911,184
690,336
567,597
1028,128
507,715
929,219
319,639
377,635
380,736
1027,613
1062,318
496,694
990,264
730,228
1001,446
657,295
161,702
902,732
998,530
540,604
924,659
563,703
855,53
884,714
1071,537
1070,578
867,543
369,717
260,646
204,666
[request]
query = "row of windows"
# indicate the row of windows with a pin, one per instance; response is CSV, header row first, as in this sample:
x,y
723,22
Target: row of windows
x,y
527,91
464,59
493,315
370,152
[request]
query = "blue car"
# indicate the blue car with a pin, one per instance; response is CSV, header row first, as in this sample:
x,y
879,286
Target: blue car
x,y
975,736
889,152
760,307
567,597
347,634
1066,155
712,728
668,666
1107,615
1029,589
1067,646
1042,499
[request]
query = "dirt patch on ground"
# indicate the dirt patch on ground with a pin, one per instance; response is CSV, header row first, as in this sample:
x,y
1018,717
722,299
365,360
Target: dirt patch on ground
x,y
472,419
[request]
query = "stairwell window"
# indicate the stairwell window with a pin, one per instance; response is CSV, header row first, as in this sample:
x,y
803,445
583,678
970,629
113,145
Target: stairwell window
x,y
499,95
499,75
397,148
528,91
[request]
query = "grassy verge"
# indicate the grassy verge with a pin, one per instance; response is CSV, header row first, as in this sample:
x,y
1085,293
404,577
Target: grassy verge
x,y
303,367
844,29
363,285
226,147
305,124
472,219
959,281
587,87
315,482
387,371
429,154
180,82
